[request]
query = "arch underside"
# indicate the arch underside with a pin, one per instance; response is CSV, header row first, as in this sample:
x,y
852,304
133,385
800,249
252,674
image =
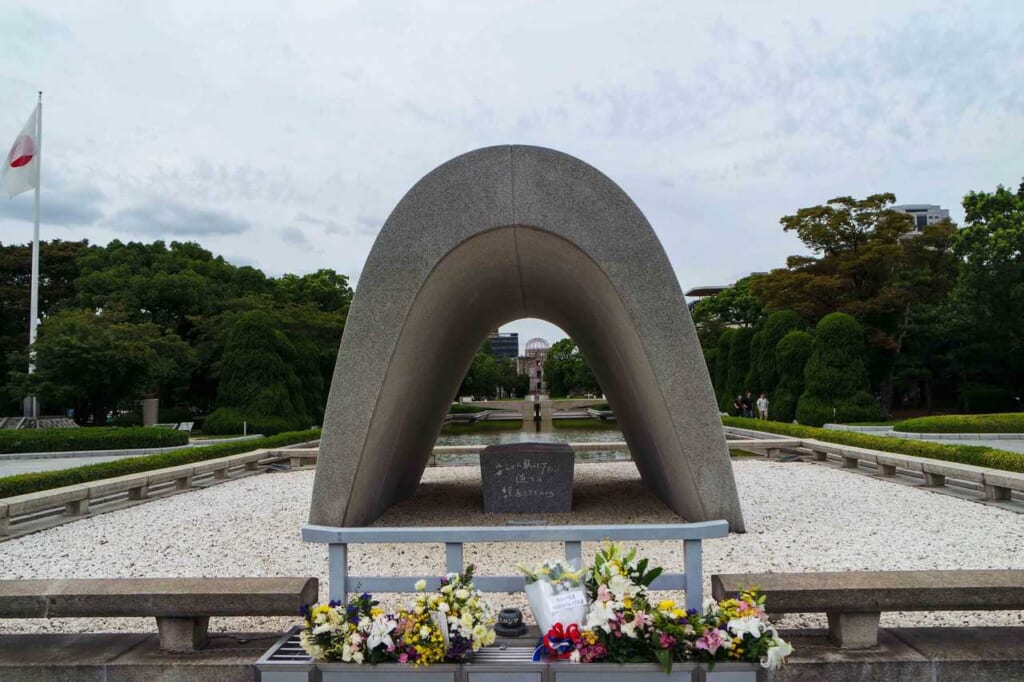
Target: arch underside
x,y
550,250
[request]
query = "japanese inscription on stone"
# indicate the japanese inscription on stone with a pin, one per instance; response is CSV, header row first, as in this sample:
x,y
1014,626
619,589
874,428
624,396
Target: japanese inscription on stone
x,y
523,478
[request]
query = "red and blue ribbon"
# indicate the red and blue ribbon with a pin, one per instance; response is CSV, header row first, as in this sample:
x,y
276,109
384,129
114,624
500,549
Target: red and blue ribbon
x,y
558,643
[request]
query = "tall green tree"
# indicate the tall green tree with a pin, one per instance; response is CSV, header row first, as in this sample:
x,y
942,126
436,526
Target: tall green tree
x,y
988,299
836,384
567,371
763,355
95,363
721,375
58,270
737,306
865,263
791,356
258,379
739,361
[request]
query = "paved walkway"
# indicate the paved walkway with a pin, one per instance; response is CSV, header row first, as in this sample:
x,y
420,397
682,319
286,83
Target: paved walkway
x,y
22,466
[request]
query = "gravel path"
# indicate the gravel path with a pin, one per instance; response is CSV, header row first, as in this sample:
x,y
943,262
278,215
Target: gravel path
x,y
799,518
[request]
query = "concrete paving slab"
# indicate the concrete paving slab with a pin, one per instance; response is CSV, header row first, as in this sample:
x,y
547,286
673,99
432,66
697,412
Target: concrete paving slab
x,y
976,654
816,659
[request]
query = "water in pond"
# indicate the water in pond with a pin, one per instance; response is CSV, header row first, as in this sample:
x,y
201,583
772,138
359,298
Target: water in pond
x,y
556,436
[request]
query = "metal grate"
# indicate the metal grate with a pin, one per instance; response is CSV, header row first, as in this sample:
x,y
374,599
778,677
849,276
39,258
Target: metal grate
x,y
289,651
494,655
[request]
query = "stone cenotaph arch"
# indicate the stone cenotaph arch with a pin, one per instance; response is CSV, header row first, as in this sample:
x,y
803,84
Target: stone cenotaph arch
x,y
492,236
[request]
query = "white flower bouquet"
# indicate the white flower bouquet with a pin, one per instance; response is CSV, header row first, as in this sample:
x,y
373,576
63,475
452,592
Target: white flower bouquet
x,y
557,592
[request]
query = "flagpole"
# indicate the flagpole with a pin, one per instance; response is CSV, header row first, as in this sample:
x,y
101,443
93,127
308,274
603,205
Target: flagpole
x,y
33,315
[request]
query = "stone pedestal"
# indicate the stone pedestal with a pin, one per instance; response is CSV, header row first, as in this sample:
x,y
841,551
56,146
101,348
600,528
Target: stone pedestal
x,y
527,478
150,410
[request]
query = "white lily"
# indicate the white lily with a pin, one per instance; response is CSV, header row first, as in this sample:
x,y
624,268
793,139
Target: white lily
x,y
380,632
751,625
776,654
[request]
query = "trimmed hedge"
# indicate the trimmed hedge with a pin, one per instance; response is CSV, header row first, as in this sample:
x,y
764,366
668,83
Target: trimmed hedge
x,y
964,454
585,423
227,421
459,408
21,484
88,438
454,429
1012,422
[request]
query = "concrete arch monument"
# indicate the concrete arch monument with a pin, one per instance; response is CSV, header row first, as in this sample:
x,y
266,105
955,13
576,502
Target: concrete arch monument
x,y
492,236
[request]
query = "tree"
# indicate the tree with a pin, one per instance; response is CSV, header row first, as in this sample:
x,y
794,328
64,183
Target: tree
x,y
567,372
791,355
736,306
836,384
97,362
762,354
739,361
988,298
721,376
483,376
258,381
57,272
866,264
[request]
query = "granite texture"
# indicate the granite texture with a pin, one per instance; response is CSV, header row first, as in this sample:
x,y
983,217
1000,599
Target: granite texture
x,y
492,236
873,591
527,478
96,597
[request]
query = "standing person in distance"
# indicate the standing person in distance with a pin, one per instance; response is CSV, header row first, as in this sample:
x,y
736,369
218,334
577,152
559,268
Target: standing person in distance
x,y
738,406
762,407
748,405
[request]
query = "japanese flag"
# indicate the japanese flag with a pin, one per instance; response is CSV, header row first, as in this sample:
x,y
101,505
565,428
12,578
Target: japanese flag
x,y
21,169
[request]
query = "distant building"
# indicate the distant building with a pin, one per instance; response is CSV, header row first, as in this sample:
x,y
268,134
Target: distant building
x,y
923,214
532,364
698,293
504,345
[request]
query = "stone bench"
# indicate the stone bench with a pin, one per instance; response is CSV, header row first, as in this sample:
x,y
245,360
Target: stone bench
x,y
182,606
855,600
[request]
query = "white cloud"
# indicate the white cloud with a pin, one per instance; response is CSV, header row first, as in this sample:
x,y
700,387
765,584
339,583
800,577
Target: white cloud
x,y
247,126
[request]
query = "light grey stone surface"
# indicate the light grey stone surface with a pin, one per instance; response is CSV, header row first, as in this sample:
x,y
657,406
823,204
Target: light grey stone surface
x,y
176,597
527,478
865,591
489,237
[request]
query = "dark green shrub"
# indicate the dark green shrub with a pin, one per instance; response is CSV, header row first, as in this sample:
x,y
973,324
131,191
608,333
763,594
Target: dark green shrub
x,y
836,384
739,361
721,376
764,373
93,438
710,358
47,480
459,408
227,421
962,423
985,398
755,379
791,355
964,454
175,415
258,382
129,419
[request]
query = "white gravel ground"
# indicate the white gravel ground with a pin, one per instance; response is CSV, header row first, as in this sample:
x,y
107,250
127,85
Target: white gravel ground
x,y
799,517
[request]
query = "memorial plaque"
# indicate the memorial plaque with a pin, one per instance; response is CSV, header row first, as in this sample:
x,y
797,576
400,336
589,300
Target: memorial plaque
x,y
527,478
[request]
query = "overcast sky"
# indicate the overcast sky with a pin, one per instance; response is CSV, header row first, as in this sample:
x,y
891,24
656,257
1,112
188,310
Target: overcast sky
x,y
281,135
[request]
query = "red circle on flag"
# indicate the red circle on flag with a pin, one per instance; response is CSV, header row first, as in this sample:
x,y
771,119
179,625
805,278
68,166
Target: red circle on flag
x,y
22,152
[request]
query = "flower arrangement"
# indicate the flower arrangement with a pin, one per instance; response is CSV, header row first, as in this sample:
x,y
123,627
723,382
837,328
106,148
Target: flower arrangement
x,y
557,592
359,632
622,624
449,625
460,612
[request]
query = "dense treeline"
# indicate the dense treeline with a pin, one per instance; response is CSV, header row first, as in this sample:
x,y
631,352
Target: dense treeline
x,y
125,321
879,318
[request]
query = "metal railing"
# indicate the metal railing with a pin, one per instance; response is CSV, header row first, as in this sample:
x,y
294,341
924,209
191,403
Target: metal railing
x,y
453,538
